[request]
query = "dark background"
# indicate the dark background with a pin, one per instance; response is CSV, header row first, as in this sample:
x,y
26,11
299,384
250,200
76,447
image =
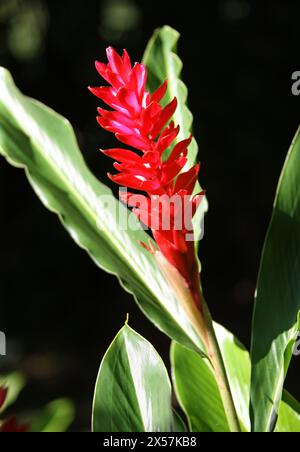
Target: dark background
x,y
58,310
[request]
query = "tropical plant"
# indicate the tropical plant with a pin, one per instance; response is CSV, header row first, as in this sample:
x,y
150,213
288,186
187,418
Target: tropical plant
x,y
218,384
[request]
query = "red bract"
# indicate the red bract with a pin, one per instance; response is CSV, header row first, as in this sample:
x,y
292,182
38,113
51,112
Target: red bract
x,y
139,120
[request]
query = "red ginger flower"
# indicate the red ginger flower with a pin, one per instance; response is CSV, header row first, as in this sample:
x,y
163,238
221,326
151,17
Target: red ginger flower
x,y
138,120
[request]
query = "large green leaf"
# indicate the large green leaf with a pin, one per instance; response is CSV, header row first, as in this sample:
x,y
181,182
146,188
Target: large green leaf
x,y
289,415
198,394
163,63
238,367
133,391
277,298
197,390
35,138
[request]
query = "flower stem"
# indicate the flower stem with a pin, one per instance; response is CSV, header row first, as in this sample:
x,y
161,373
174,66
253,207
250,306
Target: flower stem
x,y
194,304
217,362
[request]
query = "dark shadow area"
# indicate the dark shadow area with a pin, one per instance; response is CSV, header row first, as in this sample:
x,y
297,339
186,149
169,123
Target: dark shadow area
x,y
58,310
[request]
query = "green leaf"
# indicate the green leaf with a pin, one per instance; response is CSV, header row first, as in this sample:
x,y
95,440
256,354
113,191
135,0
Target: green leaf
x,y
277,301
35,138
14,382
56,417
179,424
197,390
163,63
238,367
289,415
133,391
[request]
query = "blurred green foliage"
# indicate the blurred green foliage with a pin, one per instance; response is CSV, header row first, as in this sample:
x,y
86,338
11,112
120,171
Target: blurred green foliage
x,y
118,17
27,25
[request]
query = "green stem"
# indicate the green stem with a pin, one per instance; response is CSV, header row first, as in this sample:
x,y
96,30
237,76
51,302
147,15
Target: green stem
x,y
194,304
217,362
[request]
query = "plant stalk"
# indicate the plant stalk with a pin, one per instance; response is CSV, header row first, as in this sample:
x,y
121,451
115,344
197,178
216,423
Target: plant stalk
x,y
217,362
194,304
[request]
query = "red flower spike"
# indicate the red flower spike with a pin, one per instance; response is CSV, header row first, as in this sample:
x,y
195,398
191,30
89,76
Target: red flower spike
x,y
139,120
